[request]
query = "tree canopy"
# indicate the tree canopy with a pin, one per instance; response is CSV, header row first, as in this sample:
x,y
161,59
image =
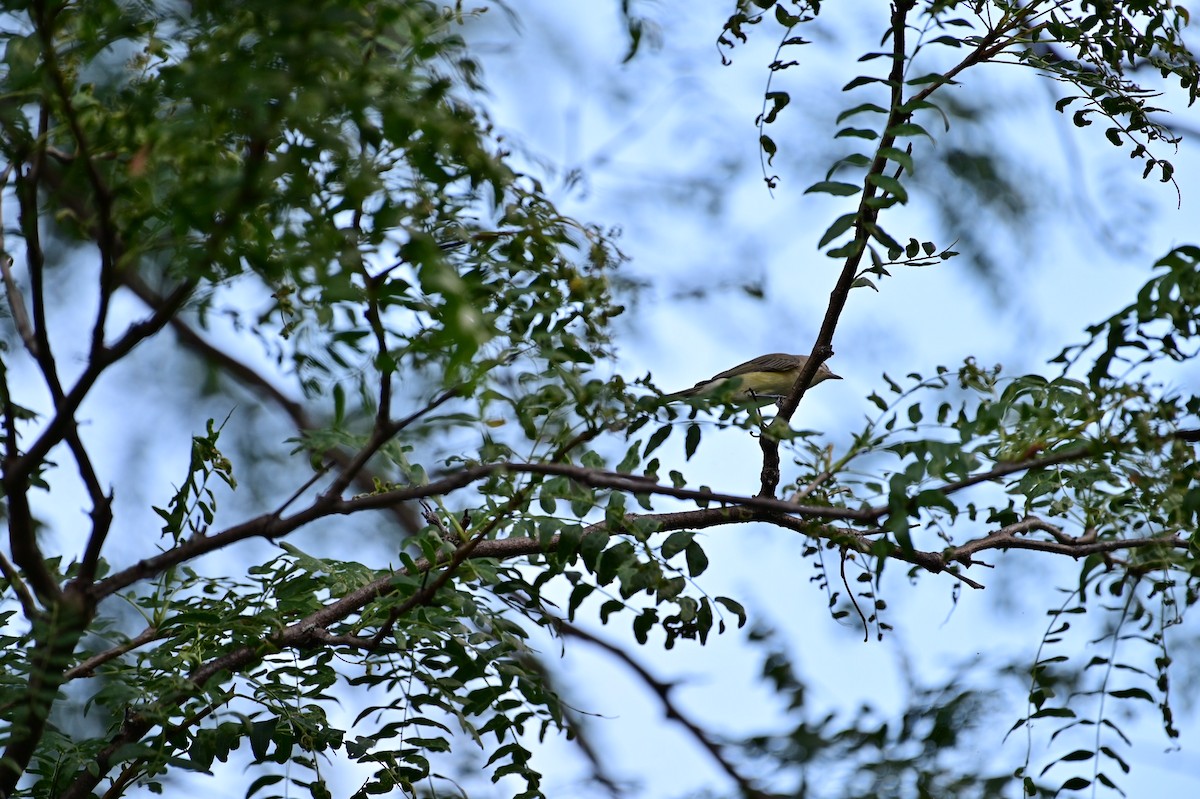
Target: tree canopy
x,y
294,234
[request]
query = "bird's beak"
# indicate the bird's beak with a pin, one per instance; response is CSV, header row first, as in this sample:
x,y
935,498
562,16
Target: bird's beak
x,y
832,376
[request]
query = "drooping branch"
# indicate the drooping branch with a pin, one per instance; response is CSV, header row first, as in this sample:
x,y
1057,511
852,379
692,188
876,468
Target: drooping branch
x,y
663,690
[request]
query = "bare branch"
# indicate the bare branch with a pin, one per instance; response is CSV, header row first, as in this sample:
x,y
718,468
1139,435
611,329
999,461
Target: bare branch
x,y
1003,470
65,408
671,710
1011,537
380,436
106,241
101,512
933,562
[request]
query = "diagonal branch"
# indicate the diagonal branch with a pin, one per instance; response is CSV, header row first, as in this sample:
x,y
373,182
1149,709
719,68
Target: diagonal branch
x,y
135,334
868,213
253,380
663,691
87,668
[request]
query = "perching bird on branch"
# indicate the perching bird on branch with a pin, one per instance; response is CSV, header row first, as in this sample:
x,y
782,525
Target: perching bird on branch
x,y
760,381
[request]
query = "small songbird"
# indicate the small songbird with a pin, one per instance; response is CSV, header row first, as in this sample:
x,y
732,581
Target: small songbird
x,y
761,381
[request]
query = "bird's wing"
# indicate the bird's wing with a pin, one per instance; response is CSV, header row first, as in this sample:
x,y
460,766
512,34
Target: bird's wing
x,y
771,362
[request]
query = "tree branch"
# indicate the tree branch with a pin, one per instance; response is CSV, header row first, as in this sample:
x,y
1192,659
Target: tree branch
x,y
254,381
312,630
272,526
866,217
663,691
28,603
1011,537
106,241
87,668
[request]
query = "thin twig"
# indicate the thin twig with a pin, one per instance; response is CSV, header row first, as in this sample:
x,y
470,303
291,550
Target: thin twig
x,y
88,667
16,303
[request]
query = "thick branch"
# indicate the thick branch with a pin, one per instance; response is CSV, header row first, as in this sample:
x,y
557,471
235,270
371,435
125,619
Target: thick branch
x,y
272,526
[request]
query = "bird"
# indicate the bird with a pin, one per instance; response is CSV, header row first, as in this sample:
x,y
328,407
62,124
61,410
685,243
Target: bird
x,y
759,381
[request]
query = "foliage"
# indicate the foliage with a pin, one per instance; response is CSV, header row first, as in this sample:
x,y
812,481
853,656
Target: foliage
x,y
321,183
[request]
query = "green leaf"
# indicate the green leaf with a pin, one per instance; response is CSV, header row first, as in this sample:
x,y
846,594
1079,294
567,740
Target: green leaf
x,y
697,561
691,441
864,80
889,184
734,608
856,133
676,542
857,160
834,188
643,623
905,130
769,147
899,156
262,782
659,436
840,226
778,101
859,109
